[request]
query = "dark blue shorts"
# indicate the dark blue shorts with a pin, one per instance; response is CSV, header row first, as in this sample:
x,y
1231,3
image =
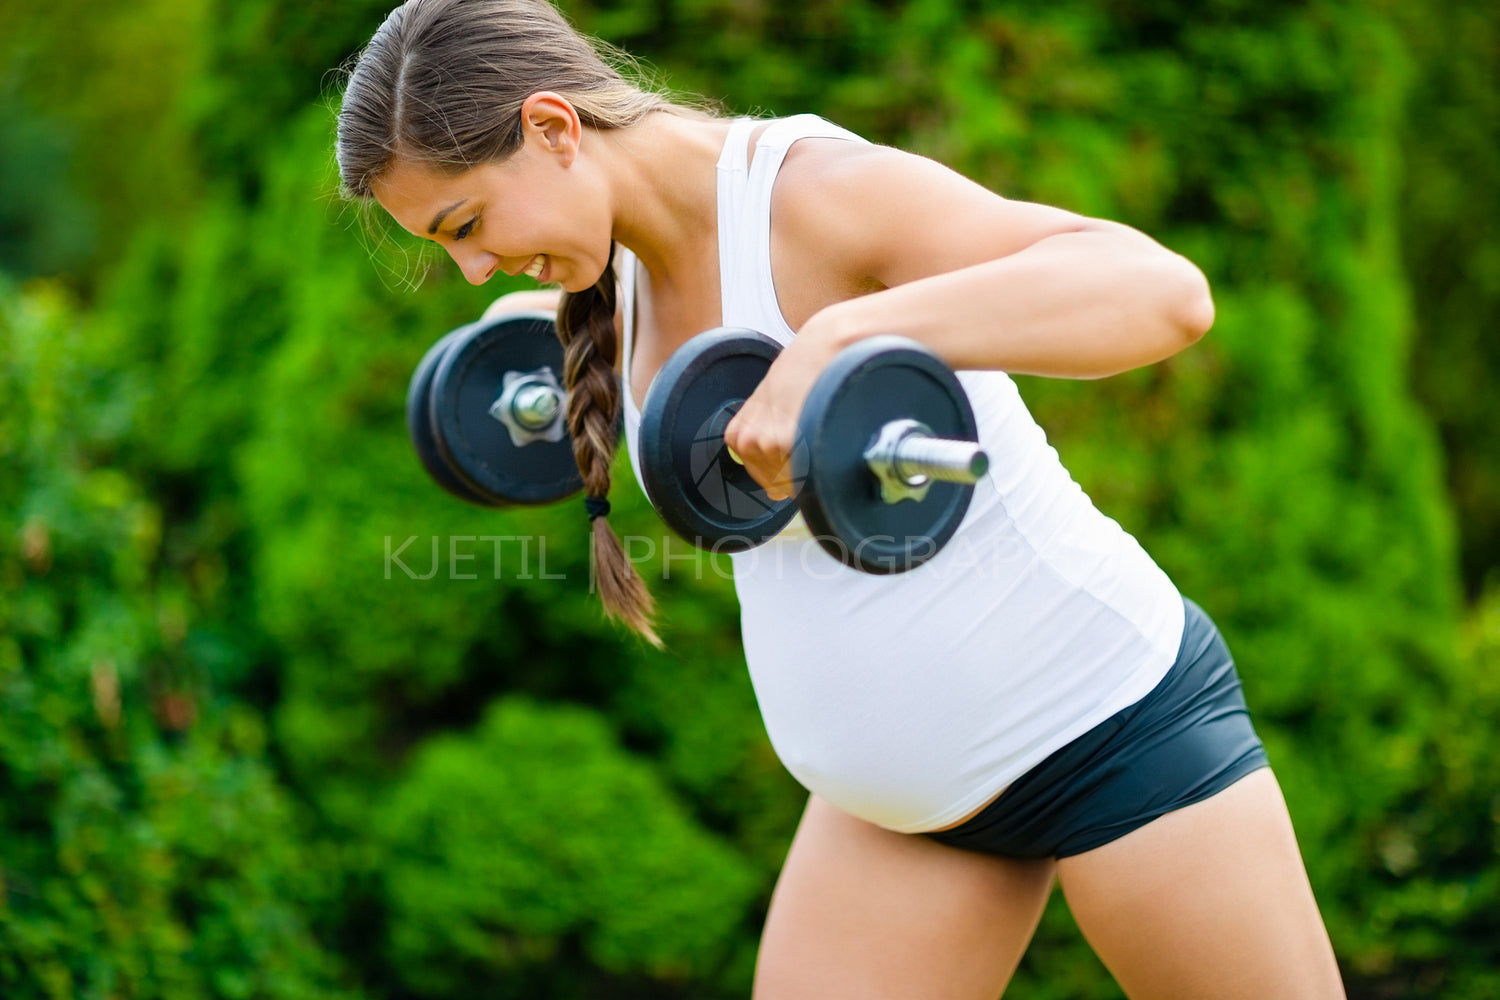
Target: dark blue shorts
x,y
1188,739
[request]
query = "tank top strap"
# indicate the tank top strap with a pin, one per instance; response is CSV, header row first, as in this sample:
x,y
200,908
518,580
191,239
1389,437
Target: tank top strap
x,y
734,209
744,220
735,156
625,276
748,291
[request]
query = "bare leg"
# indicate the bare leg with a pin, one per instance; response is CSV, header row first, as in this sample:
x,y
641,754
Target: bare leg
x,y
1210,901
861,912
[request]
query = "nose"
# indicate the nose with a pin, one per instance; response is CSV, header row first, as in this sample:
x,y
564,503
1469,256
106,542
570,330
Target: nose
x,y
477,265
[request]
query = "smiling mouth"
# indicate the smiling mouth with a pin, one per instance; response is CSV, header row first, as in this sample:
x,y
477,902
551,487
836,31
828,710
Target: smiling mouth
x,y
536,267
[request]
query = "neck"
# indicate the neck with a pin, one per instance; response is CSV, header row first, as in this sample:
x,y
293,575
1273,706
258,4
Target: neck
x,y
664,189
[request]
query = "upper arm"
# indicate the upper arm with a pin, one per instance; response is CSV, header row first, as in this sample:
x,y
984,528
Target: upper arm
x,y
888,217
543,299
547,300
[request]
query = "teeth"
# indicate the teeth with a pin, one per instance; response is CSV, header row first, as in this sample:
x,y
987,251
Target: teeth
x,y
534,271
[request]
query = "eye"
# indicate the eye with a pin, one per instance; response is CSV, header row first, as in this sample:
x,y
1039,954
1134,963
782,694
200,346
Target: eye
x,y
463,232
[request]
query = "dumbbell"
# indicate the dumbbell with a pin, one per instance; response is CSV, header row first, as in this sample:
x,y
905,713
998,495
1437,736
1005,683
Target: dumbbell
x,y
884,466
487,413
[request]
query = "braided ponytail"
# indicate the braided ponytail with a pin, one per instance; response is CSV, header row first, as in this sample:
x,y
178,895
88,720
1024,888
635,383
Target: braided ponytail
x,y
586,327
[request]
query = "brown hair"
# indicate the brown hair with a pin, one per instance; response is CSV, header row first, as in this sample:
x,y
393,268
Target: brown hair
x,y
442,83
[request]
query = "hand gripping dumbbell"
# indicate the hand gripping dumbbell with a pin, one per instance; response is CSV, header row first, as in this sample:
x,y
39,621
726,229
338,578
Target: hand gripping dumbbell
x,y
487,413
884,466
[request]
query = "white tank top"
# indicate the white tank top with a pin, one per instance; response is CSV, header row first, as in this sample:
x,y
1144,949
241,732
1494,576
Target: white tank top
x,y
912,700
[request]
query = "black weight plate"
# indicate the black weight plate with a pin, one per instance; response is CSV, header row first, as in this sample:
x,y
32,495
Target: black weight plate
x,y
419,424
477,446
699,491
876,381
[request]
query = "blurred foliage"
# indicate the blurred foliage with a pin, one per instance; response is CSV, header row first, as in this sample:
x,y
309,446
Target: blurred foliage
x,y
44,227
148,846
537,827
113,80
1450,199
279,718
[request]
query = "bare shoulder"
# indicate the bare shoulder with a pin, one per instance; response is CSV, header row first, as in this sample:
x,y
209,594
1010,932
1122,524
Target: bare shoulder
x,y
892,216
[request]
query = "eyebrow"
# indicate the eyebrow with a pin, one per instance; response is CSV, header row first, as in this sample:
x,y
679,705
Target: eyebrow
x,y
437,220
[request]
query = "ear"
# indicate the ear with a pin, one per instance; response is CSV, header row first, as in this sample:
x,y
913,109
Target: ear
x,y
551,120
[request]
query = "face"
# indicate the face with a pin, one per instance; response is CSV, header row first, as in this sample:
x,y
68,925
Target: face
x,y
534,213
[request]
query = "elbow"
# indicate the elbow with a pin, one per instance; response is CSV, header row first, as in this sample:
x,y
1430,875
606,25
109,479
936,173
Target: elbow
x,y
1194,314
1197,317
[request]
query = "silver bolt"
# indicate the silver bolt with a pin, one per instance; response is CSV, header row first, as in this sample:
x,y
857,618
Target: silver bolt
x,y
905,458
530,406
920,458
535,405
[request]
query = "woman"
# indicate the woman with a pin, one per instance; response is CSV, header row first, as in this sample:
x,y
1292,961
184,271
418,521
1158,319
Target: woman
x,y
1038,702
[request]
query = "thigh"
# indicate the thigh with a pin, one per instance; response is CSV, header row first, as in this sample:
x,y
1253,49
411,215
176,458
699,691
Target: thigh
x,y
861,912
1209,901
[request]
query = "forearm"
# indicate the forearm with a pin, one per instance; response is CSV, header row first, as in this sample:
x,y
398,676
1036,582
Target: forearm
x,y
1074,305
